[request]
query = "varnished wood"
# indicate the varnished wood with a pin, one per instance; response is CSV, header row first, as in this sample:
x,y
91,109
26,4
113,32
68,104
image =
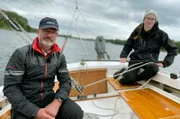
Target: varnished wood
x,y
56,86
117,86
171,117
85,77
6,115
148,104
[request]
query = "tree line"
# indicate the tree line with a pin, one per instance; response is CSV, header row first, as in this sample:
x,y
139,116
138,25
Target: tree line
x,y
4,24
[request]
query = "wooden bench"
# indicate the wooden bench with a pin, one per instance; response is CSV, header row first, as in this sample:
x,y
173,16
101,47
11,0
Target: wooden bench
x,y
148,104
6,115
117,86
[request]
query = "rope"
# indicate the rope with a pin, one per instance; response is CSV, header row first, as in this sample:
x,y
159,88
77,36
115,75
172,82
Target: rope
x,y
96,82
128,69
77,86
120,74
112,109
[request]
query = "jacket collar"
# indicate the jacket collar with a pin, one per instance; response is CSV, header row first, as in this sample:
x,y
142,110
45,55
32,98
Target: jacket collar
x,y
36,47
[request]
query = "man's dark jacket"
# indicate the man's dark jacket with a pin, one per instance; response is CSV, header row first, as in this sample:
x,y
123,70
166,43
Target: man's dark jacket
x,y
29,78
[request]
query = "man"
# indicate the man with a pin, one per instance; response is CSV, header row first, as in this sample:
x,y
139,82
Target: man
x,y
29,79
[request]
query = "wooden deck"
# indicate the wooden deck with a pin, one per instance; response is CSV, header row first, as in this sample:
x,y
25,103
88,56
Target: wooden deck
x,y
148,104
117,86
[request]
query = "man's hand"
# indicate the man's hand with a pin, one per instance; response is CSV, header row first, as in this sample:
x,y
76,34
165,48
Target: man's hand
x,y
123,60
53,108
43,115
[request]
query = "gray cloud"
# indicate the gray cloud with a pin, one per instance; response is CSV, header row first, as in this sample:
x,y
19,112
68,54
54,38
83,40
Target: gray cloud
x,y
112,19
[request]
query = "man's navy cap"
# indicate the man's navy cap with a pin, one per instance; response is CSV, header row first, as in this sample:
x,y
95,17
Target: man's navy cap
x,y
48,22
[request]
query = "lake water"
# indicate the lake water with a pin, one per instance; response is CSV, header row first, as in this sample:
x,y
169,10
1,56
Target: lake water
x,y
74,50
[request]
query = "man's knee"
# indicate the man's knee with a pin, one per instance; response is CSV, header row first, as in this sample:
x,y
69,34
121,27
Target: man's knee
x,y
70,110
76,112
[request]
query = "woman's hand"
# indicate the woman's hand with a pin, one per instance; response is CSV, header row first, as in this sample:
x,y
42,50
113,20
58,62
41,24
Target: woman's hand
x,y
160,64
123,60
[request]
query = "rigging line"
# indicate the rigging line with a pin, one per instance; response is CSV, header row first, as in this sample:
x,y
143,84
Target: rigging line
x,y
7,18
71,20
81,39
79,70
22,36
90,30
65,41
85,21
83,16
76,4
13,26
23,30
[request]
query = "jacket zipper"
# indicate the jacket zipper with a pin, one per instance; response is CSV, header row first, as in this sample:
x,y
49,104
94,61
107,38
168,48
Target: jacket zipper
x,y
42,81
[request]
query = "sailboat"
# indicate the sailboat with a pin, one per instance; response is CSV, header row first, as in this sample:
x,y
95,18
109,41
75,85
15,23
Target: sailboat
x,y
102,97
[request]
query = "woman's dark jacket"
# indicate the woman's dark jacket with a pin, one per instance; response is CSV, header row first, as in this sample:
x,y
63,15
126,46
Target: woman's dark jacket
x,y
147,45
29,78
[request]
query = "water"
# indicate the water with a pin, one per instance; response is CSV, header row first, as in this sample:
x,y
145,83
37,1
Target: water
x,y
73,51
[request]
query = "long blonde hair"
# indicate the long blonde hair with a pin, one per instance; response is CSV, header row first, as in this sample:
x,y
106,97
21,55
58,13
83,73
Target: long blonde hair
x,y
140,28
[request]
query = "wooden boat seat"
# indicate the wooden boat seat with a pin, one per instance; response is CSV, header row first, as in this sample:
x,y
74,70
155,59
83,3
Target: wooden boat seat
x,y
6,115
148,104
117,86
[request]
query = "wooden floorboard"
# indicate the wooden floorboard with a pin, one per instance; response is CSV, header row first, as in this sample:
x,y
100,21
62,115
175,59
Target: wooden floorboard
x,y
148,104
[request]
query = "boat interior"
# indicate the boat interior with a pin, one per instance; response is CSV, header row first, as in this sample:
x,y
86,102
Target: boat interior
x,y
102,97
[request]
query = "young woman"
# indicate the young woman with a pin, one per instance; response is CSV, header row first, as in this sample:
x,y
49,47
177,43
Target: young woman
x,y
146,41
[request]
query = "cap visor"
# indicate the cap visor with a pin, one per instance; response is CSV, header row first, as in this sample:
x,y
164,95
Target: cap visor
x,y
48,26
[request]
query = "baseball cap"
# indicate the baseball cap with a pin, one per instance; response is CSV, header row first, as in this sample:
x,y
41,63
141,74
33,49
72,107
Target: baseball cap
x,y
48,22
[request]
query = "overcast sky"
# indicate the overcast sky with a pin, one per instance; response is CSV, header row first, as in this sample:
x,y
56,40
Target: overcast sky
x,y
109,18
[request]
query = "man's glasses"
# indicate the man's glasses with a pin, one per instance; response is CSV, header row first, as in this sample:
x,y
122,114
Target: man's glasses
x,y
47,31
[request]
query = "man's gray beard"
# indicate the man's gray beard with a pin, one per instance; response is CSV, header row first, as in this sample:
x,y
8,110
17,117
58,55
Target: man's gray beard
x,y
47,44
44,43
